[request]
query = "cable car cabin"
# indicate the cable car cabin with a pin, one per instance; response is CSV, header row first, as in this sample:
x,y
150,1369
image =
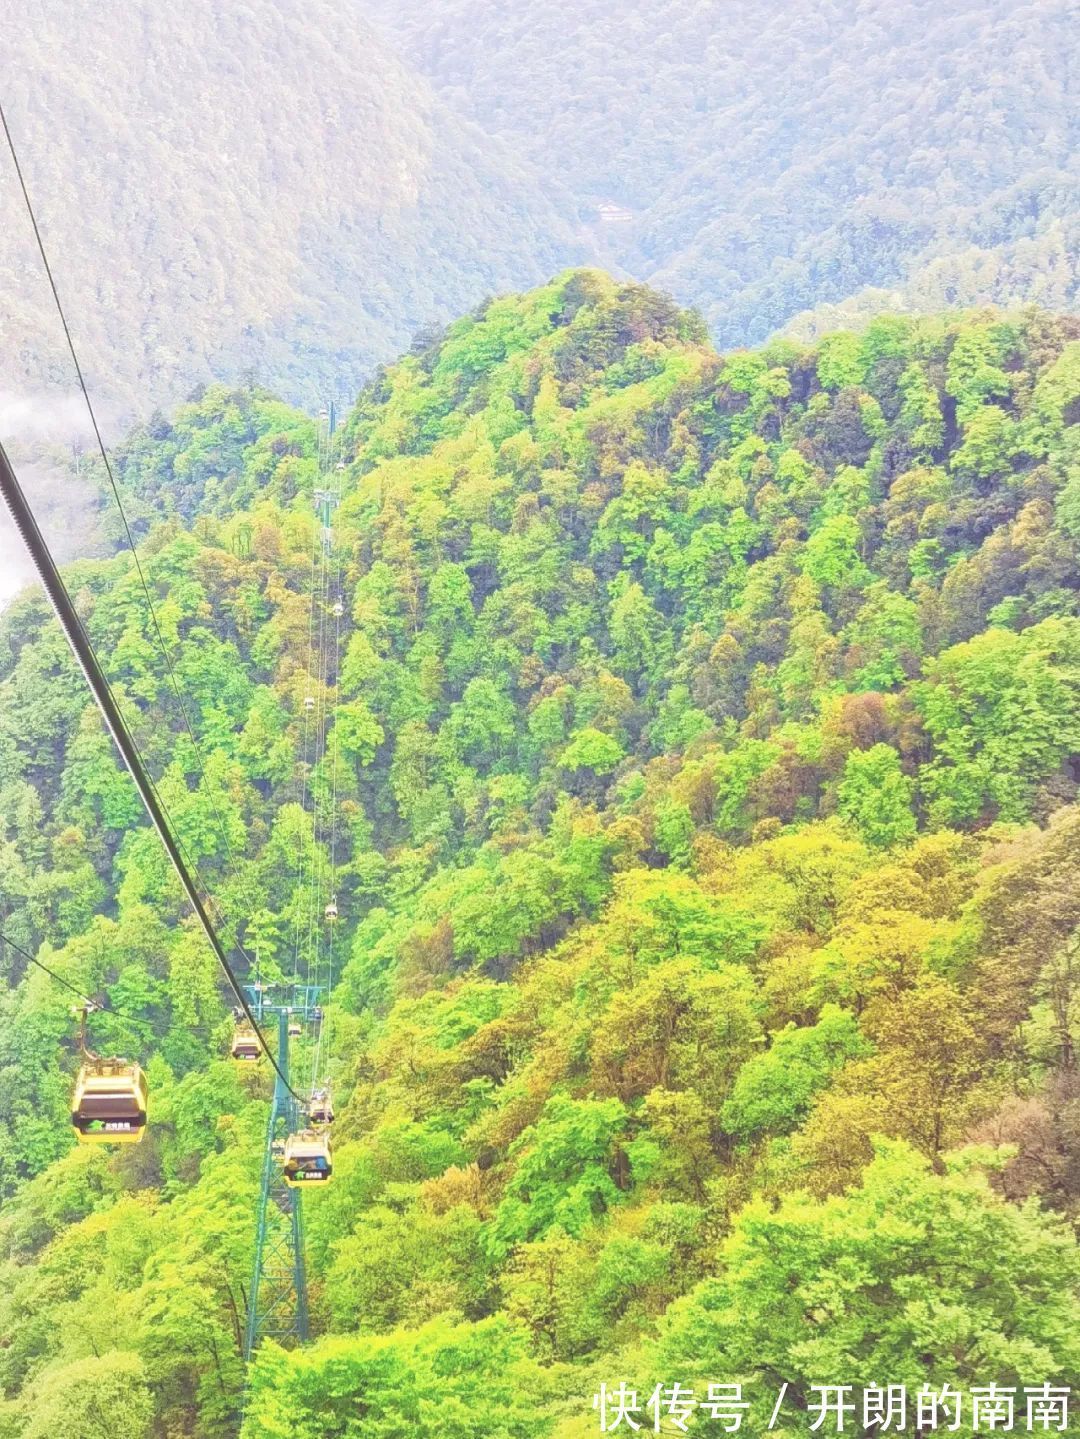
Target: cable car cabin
x,y
339,609
295,1029
307,1159
309,703
321,1108
109,1103
332,910
245,1045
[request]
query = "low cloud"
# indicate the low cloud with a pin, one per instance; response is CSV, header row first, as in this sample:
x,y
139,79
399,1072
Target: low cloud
x,y
37,430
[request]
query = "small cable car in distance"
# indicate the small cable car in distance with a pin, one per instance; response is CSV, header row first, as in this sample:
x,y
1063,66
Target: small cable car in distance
x,y
332,909
295,1028
245,1045
307,1159
109,1104
321,1108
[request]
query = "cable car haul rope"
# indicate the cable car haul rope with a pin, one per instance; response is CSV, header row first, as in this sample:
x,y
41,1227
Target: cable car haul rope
x,y
110,1099
27,526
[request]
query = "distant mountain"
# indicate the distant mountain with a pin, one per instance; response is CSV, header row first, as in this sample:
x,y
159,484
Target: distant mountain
x,y
262,190
286,193
759,160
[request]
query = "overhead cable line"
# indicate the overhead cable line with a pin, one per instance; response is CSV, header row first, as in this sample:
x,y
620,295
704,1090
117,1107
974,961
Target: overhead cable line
x,y
112,479
310,703
27,526
89,1004
338,611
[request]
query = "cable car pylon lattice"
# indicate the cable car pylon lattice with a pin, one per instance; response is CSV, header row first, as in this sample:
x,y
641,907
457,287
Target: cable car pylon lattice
x,y
297,1150
277,1300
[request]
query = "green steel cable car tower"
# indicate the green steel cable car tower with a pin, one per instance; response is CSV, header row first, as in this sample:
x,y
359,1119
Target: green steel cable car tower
x,y
277,1299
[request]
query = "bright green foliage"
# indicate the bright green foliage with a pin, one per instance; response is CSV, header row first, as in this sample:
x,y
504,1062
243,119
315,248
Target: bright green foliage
x,y
106,1398
1004,712
396,1269
700,794
461,1381
562,1175
773,1090
875,795
592,750
930,1278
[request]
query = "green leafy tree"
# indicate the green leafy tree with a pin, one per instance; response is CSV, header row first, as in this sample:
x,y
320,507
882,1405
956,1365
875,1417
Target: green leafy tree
x,y
924,1276
876,796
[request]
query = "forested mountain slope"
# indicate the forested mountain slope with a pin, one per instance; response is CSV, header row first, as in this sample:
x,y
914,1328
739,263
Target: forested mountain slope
x,y
266,190
707,830
769,160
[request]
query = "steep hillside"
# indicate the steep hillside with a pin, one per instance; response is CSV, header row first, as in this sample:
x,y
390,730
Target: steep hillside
x,y
705,821
766,162
265,191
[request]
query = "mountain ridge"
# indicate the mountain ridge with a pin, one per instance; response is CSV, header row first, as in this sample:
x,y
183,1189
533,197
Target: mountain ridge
x,y
289,194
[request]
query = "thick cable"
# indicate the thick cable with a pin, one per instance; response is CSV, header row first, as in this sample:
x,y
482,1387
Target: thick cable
x,y
89,1004
83,650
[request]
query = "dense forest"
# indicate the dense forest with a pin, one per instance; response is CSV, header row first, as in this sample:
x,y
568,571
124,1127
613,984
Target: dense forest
x,y
708,991
264,189
760,162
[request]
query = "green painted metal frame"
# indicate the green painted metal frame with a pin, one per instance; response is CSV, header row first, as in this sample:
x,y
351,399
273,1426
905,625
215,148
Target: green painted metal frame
x,y
277,1298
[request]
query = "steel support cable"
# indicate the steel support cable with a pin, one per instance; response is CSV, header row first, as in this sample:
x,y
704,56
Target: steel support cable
x,y
320,710
311,750
298,921
333,813
315,894
109,472
89,1004
83,650
319,805
318,801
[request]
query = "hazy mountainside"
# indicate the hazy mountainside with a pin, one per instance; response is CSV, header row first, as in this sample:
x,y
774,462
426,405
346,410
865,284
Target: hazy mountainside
x,y
283,194
264,191
705,823
769,161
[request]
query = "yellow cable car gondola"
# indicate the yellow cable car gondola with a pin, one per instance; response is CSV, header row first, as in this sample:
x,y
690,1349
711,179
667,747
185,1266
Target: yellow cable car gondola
x,y
110,1102
245,1045
307,1159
